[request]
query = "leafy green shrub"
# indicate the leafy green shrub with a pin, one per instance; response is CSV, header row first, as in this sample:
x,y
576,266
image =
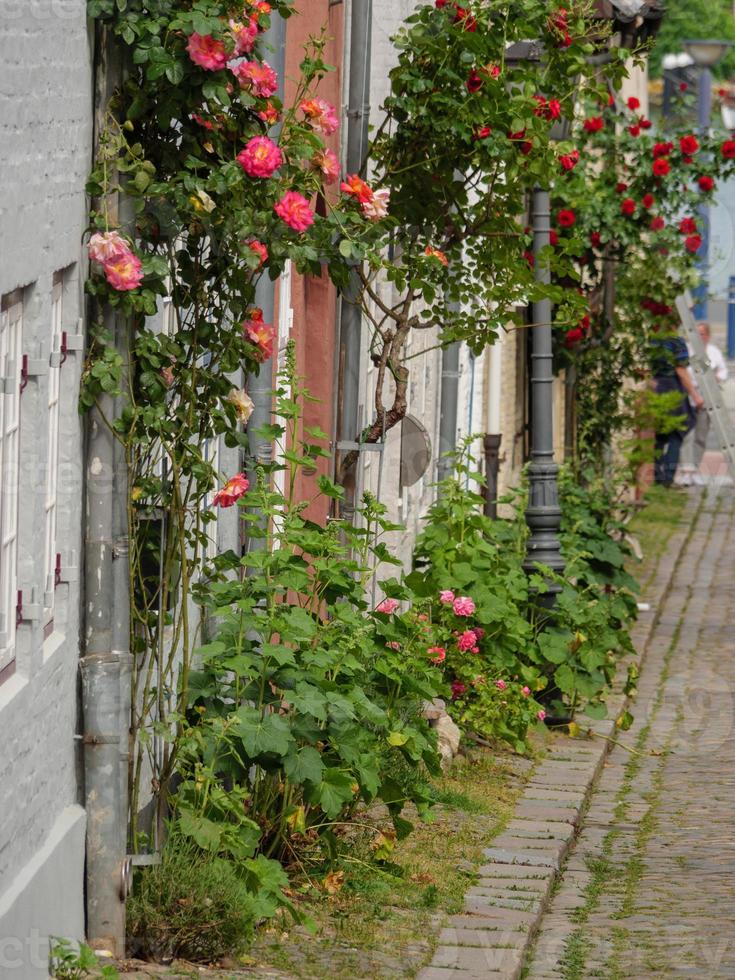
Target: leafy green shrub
x,y
192,906
72,961
305,700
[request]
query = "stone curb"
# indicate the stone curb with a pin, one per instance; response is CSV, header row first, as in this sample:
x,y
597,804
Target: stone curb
x,y
504,908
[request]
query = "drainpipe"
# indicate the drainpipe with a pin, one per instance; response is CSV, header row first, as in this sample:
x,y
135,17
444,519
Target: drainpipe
x,y
260,386
350,321
106,666
448,409
493,435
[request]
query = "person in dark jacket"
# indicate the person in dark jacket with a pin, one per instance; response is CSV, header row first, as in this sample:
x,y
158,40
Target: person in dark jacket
x,y
670,369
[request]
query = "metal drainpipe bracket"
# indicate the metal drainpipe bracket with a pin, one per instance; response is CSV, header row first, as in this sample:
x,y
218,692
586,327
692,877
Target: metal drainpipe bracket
x,y
360,447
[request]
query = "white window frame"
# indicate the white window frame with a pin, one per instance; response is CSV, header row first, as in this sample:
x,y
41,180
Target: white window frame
x,y
11,353
52,453
210,454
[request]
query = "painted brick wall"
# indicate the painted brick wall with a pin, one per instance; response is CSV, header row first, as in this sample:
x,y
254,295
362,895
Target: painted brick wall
x,y
46,140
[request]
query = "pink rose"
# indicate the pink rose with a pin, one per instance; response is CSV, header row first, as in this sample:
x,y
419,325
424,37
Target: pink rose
x,y
244,36
440,654
376,208
446,596
541,715
326,161
387,606
321,115
260,158
501,685
106,246
260,333
526,692
124,271
235,487
393,645
463,606
207,52
467,640
458,689
260,250
294,209
258,77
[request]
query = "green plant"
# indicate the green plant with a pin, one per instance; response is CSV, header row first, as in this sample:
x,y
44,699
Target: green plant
x,y
305,702
193,905
75,961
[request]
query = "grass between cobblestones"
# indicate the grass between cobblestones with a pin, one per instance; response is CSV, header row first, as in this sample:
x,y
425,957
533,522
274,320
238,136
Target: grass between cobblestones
x,y
654,527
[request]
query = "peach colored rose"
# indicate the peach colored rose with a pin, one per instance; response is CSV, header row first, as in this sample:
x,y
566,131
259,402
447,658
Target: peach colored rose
x,y
207,52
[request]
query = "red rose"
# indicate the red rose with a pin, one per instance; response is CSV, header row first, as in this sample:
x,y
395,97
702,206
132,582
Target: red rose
x,y
595,239
474,81
528,256
627,206
570,160
646,123
585,322
661,167
573,337
594,124
706,183
566,218
634,130
553,238
683,86
440,3
483,132
728,149
634,103
657,223
693,243
619,188
467,20
689,145
648,201
688,226
662,149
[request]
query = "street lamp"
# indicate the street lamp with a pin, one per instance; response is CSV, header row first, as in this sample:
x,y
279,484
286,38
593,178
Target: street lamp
x,y
705,54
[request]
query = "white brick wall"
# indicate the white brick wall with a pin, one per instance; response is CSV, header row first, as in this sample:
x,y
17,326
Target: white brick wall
x,y
46,140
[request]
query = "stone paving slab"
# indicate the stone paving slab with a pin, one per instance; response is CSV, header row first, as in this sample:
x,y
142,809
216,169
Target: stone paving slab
x,y
537,840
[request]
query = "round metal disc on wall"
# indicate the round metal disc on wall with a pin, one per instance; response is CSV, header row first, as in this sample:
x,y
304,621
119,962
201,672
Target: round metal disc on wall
x,y
415,451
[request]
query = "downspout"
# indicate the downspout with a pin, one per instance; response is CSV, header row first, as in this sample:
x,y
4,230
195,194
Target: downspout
x,y
350,320
448,409
260,386
105,667
493,434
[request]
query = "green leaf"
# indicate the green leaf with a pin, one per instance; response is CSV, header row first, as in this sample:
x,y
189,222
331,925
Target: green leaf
x,y
203,832
262,733
304,764
397,738
335,790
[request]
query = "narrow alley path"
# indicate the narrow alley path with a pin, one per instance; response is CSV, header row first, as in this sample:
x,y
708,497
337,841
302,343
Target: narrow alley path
x,y
649,887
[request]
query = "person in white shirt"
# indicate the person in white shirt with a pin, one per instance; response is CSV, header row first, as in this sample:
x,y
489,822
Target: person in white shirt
x,y
717,364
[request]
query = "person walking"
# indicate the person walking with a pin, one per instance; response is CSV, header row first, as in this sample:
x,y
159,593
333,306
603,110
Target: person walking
x,y
671,374
716,363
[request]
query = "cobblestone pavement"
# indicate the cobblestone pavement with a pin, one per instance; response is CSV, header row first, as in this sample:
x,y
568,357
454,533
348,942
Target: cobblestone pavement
x,y
648,889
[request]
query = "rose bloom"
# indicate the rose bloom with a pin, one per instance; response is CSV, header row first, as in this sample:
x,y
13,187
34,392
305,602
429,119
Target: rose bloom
x,y
501,685
124,271
106,246
728,149
260,158
440,654
260,250
688,226
207,52
243,404
693,243
436,253
526,691
553,238
689,145
321,115
446,597
294,209
634,130
327,163
482,133
573,337
706,183
595,239
270,114
662,149
463,606
387,606
260,333
231,492
467,640
661,167
541,715
594,124
393,645
167,376
356,187
657,223
474,82
244,35
466,18
458,689
566,218
377,208
627,206
648,201
570,160
633,103
646,124
258,77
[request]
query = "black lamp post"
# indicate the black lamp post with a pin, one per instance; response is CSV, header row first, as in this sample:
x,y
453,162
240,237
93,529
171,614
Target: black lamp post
x,y
543,514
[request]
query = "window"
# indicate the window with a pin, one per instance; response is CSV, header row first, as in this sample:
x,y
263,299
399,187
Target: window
x,y
11,335
52,455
